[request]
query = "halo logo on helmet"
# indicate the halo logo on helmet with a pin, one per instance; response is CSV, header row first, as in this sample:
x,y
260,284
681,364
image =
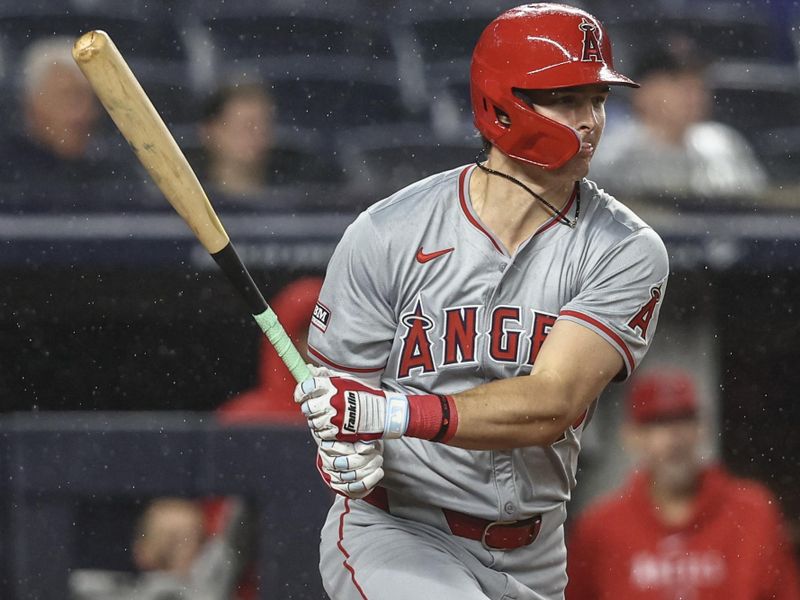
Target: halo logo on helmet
x,y
536,47
591,47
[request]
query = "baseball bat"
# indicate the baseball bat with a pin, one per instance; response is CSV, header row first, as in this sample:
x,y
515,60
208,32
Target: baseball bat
x,y
140,124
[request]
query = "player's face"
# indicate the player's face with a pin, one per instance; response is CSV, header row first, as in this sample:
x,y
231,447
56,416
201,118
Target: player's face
x,y
583,109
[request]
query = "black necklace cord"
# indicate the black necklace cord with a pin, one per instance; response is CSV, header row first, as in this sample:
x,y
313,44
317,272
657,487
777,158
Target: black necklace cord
x,y
559,215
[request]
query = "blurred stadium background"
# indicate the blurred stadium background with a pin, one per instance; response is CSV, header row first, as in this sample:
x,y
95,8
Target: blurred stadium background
x,y
111,314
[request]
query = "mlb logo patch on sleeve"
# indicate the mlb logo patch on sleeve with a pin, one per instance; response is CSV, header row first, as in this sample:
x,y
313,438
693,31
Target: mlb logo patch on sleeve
x,y
320,317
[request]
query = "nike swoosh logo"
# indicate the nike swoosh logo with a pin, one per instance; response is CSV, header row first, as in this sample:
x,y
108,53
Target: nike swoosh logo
x,y
422,257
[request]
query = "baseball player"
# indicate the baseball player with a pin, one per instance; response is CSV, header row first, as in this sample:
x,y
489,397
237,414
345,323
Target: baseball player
x,y
467,326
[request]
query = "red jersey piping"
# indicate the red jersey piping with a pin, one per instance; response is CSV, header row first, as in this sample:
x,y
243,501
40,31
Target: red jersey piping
x,y
605,329
462,198
340,545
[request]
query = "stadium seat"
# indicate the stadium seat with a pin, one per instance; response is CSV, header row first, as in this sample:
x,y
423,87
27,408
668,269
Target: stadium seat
x,y
318,56
380,161
328,97
276,35
451,108
249,30
755,97
779,151
435,40
169,87
138,32
722,31
300,156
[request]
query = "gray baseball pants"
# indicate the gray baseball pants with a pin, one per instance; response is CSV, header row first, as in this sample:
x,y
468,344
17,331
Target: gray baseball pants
x,y
369,554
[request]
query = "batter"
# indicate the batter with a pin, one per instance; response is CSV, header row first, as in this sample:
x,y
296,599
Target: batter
x,y
467,326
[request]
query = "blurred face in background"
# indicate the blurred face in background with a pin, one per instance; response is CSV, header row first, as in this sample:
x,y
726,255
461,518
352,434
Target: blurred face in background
x,y
170,537
670,102
242,131
670,451
61,112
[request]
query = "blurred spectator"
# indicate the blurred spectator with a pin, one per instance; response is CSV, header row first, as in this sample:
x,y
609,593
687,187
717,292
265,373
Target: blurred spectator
x,y
169,536
679,528
272,399
55,144
175,557
670,149
236,132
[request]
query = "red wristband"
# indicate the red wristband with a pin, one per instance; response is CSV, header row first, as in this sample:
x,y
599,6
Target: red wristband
x,y
432,417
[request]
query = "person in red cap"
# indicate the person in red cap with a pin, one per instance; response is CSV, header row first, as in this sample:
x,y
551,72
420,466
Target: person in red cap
x,y
679,529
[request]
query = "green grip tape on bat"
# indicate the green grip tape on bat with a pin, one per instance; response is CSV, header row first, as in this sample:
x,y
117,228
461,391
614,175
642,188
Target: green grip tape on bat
x,y
233,267
268,321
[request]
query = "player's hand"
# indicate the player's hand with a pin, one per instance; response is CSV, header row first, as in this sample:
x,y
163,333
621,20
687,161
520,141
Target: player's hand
x,y
351,469
343,409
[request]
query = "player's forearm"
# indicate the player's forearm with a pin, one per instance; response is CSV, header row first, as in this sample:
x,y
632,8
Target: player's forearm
x,y
531,410
521,411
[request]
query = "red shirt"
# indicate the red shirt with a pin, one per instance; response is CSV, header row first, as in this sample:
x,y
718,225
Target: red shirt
x,y
732,548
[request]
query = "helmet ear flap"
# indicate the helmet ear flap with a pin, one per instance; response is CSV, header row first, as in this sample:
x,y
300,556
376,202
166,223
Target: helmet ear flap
x,y
538,140
516,129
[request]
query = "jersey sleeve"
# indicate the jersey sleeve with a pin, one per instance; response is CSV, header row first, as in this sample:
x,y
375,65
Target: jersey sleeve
x,y
621,295
353,324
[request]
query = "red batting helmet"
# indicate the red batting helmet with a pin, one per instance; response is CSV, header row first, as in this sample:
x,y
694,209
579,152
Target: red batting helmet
x,y
536,47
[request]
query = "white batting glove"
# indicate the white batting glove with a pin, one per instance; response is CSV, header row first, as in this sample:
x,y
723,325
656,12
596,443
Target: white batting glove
x,y
344,409
351,469
317,371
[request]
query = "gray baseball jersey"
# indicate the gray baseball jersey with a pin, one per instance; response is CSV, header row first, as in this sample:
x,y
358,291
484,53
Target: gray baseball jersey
x,y
420,297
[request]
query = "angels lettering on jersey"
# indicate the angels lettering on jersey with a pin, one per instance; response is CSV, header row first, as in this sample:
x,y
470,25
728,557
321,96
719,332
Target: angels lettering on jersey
x,y
511,335
460,337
